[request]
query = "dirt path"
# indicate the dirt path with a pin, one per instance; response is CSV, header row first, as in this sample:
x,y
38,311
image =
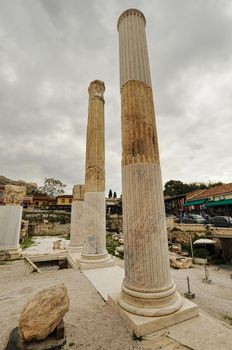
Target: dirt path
x,y
90,323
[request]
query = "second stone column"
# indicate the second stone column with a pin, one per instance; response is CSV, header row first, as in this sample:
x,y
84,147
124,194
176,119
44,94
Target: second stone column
x,y
94,248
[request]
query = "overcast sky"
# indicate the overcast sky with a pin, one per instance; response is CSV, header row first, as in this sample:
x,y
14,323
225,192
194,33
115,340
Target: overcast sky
x,y
50,50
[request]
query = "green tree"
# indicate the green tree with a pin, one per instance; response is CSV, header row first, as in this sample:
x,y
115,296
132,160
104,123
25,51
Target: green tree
x,y
175,187
52,187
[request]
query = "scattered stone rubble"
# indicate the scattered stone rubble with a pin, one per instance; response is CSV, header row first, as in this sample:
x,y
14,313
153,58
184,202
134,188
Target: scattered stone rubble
x,y
59,245
24,230
177,258
179,262
119,251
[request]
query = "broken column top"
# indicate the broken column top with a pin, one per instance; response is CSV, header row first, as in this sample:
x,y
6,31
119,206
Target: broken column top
x,y
78,192
14,194
96,89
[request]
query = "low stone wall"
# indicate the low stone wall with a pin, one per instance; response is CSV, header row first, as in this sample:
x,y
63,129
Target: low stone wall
x,y
49,229
41,216
183,237
222,231
190,227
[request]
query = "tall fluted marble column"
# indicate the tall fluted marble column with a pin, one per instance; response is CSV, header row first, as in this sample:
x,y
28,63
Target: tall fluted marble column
x,y
147,288
94,249
77,220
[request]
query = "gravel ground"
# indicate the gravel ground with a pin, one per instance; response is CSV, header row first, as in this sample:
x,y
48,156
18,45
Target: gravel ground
x,y
214,298
90,323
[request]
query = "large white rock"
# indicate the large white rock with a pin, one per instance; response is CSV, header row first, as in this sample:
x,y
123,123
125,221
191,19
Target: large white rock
x,y
180,262
42,314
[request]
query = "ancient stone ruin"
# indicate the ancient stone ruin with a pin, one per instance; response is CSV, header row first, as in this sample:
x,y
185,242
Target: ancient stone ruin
x,y
94,252
41,325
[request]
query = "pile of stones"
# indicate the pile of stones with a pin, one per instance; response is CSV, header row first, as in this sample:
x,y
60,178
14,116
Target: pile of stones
x,y
119,250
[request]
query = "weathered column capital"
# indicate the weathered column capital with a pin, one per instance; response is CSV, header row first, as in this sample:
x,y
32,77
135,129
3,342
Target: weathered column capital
x,y
96,89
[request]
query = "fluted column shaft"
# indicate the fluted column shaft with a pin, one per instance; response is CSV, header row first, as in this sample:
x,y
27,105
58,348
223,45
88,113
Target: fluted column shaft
x,y
147,288
94,248
95,140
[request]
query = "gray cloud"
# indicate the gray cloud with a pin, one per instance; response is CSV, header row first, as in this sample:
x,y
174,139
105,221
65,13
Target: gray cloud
x,y
51,50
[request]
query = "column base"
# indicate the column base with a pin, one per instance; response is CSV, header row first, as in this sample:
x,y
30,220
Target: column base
x,y
154,303
11,254
74,248
93,261
143,325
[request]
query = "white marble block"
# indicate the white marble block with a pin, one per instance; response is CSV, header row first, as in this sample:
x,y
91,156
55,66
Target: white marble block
x,y
10,225
77,226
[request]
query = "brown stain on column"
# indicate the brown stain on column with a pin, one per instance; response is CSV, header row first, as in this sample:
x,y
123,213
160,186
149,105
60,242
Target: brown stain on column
x,y
139,135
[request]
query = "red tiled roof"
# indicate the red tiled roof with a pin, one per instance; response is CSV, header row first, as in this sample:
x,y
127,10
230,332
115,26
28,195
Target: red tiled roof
x,y
213,191
194,194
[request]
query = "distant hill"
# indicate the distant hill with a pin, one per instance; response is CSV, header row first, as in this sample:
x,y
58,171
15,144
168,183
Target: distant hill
x,y
30,186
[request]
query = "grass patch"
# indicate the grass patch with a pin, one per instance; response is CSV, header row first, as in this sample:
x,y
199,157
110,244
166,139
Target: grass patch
x,y
71,344
67,237
28,242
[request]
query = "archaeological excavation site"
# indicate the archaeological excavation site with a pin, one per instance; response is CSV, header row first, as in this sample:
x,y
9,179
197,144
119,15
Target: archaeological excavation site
x,y
148,268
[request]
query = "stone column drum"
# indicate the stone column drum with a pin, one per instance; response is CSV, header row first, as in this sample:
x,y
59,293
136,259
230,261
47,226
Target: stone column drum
x,y
77,220
94,249
147,288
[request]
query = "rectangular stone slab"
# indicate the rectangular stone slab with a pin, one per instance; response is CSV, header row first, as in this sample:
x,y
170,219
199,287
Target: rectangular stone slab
x,y
203,333
141,325
106,280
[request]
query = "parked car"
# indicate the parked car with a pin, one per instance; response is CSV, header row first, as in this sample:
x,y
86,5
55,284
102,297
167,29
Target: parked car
x,y
193,219
221,221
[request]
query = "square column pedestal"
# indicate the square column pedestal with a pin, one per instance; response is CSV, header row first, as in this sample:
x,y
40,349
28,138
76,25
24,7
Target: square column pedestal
x,y
107,282
142,325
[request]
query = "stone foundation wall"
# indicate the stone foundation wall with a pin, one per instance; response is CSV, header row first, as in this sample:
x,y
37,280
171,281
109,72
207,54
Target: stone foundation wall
x,y
190,227
49,229
223,231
